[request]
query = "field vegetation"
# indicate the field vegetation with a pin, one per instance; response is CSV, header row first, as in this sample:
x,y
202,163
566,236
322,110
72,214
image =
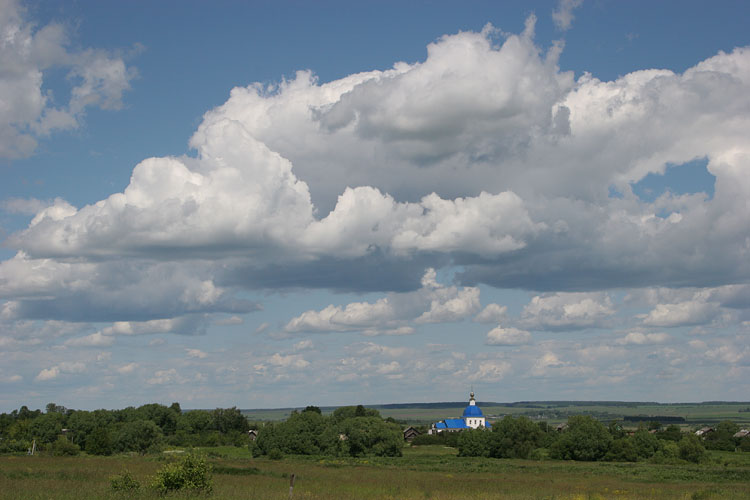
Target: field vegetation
x,y
353,452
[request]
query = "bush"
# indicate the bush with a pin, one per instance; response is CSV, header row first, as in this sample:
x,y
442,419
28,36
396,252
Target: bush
x,y
515,437
622,450
99,442
191,473
62,447
474,443
691,448
124,482
585,439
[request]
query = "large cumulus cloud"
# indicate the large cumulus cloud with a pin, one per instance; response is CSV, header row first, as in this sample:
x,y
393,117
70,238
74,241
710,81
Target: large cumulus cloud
x,y
485,155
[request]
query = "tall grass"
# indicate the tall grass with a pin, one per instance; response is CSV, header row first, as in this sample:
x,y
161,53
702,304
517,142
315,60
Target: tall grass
x,y
423,473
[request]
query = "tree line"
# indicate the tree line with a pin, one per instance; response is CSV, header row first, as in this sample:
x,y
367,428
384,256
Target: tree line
x,y
103,432
349,431
585,438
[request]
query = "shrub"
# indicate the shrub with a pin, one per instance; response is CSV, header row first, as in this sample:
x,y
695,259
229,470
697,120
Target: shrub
x,y
124,482
515,437
99,442
585,439
474,443
190,473
622,450
691,448
63,447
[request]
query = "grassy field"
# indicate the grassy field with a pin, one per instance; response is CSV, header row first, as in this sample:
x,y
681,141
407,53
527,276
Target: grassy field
x,y
423,473
553,412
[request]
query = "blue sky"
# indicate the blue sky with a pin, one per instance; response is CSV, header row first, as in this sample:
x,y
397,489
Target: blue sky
x,y
266,204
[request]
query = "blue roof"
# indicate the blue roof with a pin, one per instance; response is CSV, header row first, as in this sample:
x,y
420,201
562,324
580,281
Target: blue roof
x,y
473,411
455,423
440,425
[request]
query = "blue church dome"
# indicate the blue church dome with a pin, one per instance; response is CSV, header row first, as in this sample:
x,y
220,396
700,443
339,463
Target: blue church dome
x,y
473,411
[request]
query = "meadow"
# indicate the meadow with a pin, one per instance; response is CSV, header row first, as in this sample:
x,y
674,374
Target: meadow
x,y
426,472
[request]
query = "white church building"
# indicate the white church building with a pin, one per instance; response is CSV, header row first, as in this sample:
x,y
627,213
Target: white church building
x,y
472,418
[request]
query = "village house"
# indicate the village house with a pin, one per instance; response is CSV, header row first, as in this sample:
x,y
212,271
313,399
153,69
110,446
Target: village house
x,y
410,433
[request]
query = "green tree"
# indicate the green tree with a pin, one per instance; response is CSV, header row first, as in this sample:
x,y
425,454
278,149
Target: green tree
x,y
671,433
646,444
514,437
691,448
62,447
46,428
722,437
585,439
99,442
371,435
622,450
139,435
474,443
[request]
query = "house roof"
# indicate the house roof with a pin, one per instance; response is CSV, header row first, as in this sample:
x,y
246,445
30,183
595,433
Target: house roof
x,y
455,423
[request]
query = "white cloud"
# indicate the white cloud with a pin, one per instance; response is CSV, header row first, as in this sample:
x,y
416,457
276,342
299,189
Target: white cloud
x,y
563,14
288,361
48,374
484,156
303,345
546,362
695,311
372,349
195,354
232,320
29,52
127,368
432,303
168,376
492,313
66,367
567,311
639,338
490,371
508,336
97,339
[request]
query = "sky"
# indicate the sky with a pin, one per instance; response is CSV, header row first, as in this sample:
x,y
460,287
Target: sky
x,y
276,204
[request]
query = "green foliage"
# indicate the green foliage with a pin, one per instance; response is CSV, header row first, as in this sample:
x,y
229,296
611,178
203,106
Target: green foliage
x,y
138,435
64,448
99,442
585,439
430,439
645,443
191,473
310,433
671,433
515,438
622,450
124,482
722,437
474,443
691,448
371,436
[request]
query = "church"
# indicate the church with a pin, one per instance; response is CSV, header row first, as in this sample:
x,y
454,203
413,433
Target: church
x,y
472,418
